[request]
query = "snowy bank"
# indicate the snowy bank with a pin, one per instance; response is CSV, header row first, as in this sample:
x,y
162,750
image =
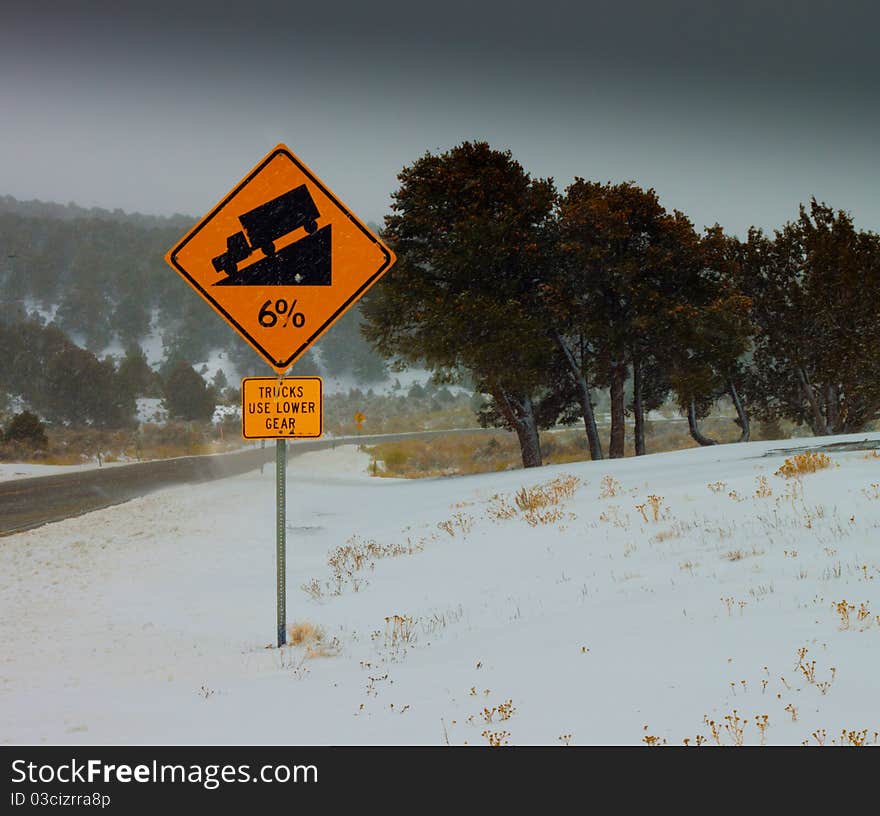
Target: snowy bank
x,y
681,596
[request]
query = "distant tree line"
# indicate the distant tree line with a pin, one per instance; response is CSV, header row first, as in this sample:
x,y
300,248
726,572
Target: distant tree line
x,y
102,276
67,384
540,298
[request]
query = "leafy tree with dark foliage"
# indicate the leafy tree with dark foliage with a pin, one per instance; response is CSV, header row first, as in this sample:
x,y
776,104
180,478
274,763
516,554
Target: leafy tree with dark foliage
x,y
637,292
61,380
710,329
137,376
27,429
187,396
618,249
83,390
815,289
466,228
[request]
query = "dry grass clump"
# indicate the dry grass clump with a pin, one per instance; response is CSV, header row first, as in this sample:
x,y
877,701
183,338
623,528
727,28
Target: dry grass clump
x,y
763,490
304,633
504,711
553,492
313,639
459,521
538,504
452,455
872,492
501,507
610,487
355,556
654,503
677,530
399,631
739,555
863,617
803,463
463,454
848,738
854,738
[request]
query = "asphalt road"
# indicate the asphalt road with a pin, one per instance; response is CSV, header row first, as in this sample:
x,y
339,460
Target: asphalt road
x,y
28,503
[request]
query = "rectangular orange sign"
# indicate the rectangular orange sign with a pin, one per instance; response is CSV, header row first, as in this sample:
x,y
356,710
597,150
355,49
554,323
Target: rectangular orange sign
x,y
286,408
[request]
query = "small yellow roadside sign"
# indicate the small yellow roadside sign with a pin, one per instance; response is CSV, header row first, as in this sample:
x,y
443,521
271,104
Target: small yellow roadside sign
x,y
281,408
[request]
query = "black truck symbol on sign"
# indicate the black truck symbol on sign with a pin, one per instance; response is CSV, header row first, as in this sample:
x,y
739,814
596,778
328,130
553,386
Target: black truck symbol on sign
x,y
265,224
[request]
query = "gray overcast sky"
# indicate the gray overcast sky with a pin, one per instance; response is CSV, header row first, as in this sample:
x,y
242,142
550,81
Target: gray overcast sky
x,y
734,112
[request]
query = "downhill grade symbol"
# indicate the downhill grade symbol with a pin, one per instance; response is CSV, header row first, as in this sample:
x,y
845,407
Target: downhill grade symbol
x,y
280,258
287,408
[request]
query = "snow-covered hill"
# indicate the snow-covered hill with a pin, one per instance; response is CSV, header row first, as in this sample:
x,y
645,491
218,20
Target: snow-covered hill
x,y
734,601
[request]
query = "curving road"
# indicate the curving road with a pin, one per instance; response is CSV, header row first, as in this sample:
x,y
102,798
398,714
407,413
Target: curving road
x,y
28,503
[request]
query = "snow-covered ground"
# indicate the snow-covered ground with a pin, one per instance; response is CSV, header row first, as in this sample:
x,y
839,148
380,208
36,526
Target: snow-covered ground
x,y
597,623
150,409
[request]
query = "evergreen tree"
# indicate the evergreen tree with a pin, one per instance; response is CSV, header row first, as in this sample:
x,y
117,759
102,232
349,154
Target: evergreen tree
x,y
465,227
187,396
136,376
219,381
613,262
131,317
713,332
24,369
83,390
368,366
815,290
27,429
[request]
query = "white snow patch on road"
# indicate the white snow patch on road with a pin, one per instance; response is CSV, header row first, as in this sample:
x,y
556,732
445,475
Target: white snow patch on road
x,y
152,622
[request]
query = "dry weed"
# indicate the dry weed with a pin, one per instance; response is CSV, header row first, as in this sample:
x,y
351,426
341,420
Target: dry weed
x,y
803,463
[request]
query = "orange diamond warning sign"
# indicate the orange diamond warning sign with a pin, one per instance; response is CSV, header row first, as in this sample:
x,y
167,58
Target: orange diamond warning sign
x,y
280,258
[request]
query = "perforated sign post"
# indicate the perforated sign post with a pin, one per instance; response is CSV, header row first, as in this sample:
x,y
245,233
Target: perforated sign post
x,y
280,258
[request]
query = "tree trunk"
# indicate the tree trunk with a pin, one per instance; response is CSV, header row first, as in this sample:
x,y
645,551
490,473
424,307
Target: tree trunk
x,y
618,410
638,408
817,424
529,441
831,408
589,418
583,393
695,429
521,417
742,415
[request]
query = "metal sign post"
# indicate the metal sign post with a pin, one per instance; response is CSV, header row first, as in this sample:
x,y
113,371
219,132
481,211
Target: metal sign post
x,y
281,408
281,536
